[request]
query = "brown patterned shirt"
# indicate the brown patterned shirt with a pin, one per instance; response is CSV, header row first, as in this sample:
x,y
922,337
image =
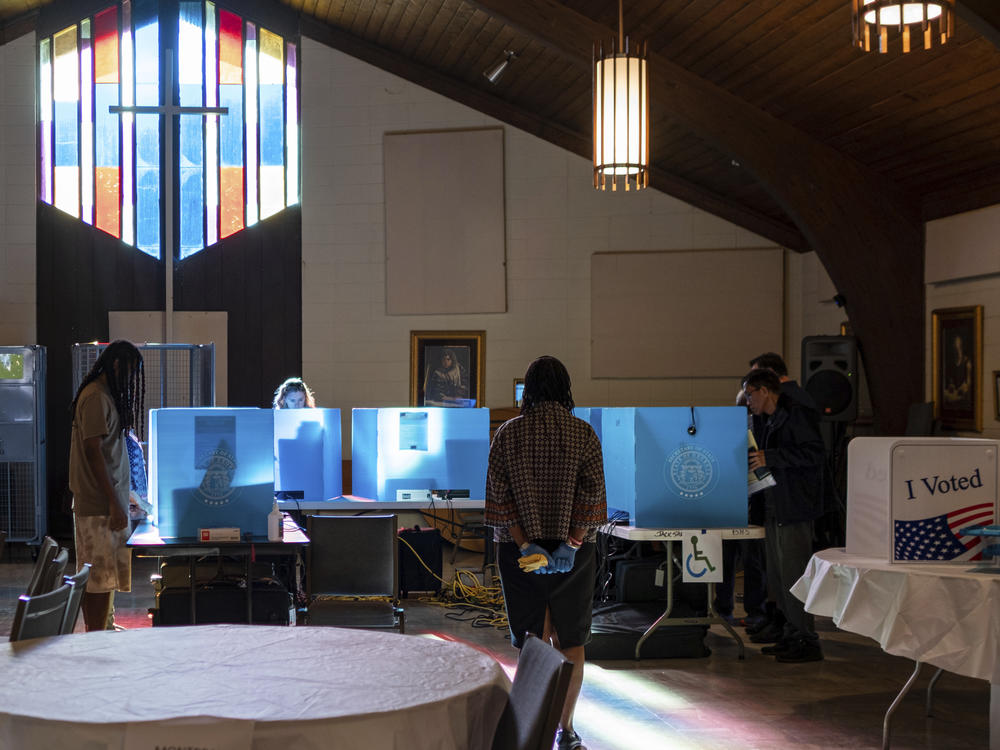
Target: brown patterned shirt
x,y
546,473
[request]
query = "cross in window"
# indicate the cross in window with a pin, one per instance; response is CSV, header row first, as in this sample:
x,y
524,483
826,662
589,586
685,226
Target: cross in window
x,y
168,108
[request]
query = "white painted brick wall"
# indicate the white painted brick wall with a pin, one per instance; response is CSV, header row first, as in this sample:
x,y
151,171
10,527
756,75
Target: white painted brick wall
x,y
17,192
356,355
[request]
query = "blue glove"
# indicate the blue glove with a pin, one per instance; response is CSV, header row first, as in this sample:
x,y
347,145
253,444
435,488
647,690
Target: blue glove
x,y
562,558
533,549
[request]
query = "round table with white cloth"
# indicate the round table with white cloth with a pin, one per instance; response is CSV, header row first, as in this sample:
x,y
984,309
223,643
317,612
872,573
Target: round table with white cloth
x,y
236,686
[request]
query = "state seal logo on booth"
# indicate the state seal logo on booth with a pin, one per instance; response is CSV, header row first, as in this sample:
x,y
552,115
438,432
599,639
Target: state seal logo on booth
x,y
216,486
692,471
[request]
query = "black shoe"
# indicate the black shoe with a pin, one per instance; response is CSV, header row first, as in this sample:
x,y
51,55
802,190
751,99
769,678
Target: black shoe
x,y
771,634
781,647
756,626
567,739
801,651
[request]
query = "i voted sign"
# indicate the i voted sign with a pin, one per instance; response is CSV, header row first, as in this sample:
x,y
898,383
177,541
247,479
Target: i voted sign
x,y
935,494
943,485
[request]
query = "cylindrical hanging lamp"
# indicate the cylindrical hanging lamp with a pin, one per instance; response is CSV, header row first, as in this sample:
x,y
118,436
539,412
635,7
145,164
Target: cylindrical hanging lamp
x,y
621,114
872,20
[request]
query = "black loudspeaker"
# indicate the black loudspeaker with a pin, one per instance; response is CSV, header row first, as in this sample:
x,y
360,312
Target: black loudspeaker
x,y
413,576
830,375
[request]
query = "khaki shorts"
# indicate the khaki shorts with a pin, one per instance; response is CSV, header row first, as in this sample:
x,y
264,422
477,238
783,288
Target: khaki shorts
x,y
105,550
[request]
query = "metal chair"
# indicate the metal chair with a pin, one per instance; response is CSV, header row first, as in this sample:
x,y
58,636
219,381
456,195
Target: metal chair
x,y
473,526
537,697
46,551
40,616
352,573
53,573
79,584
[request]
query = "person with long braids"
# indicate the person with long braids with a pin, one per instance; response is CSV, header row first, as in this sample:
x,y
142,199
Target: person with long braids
x,y
108,404
545,497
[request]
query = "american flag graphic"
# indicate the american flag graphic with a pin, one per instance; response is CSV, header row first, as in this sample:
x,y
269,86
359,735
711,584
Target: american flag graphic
x,y
938,538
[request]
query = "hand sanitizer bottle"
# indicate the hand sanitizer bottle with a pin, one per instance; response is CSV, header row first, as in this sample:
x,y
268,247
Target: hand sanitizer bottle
x,y
275,525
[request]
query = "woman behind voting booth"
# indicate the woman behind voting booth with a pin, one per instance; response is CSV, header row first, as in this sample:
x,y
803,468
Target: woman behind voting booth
x,y
294,394
545,498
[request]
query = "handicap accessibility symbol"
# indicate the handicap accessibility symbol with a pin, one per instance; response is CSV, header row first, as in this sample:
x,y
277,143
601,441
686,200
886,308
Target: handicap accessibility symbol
x,y
697,555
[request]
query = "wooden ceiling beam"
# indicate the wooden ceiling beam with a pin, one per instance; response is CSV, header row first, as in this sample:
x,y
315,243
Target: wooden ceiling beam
x,y
15,28
867,232
983,16
578,143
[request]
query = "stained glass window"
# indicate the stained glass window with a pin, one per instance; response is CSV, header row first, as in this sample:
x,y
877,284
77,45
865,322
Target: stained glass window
x,y
105,100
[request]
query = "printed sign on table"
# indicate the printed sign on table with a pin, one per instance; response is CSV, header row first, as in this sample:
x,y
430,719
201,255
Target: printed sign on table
x,y
701,554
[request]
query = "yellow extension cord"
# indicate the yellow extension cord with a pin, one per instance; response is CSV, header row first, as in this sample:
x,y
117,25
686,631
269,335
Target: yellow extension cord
x,y
467,593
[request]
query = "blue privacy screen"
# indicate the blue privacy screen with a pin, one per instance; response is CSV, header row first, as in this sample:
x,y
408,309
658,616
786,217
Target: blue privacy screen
x,y
666,477
592,416
209,468
419,448
307,453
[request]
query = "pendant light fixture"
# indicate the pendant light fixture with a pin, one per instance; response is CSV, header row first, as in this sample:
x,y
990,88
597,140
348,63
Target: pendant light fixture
x,y
621,114
872,21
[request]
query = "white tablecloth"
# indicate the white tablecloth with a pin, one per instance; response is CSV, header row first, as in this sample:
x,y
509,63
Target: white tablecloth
x,y
299,687
947,615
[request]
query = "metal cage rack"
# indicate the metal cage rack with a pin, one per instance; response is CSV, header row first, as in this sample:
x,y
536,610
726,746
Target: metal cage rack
x,y
22,443
176,374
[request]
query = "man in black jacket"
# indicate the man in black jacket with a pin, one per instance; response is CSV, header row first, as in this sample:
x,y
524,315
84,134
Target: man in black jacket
x,y
774,361
792,448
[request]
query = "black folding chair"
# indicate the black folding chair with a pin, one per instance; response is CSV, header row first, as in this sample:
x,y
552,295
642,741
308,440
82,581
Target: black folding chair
x,y
353,572
79,584
53,574
46,551
537,697
40,616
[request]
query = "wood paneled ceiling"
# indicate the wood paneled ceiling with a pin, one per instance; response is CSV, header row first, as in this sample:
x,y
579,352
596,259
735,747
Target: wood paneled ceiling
x,y
927,122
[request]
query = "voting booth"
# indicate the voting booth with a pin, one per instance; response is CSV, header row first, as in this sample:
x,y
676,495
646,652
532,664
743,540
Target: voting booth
x,y
909,498
397,450
677,467
592,416
211,468
307,454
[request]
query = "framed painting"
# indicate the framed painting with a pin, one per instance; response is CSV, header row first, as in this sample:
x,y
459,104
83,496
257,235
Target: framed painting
x,y
957,367
448,368
996,394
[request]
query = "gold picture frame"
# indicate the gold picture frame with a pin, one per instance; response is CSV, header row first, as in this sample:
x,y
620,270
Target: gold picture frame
x,y
957,367
996,394
448,368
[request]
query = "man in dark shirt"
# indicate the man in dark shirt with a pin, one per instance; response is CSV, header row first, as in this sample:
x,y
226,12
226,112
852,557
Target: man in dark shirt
x,y
792,448
773,361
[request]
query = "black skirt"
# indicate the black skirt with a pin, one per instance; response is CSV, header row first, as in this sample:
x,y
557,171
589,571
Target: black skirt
x,y
568,596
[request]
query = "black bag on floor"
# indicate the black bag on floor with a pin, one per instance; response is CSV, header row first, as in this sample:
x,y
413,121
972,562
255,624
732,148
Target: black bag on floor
x,y
224,602
617,628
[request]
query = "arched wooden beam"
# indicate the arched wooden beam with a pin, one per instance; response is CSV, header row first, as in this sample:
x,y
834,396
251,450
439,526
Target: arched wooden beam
x,y
867,233
983,16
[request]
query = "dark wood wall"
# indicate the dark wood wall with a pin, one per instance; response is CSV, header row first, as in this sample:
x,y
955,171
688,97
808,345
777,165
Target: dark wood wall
x,y
255,276
82,274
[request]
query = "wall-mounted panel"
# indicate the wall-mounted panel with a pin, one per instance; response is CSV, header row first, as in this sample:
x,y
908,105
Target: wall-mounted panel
x,y
684,314
444,222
